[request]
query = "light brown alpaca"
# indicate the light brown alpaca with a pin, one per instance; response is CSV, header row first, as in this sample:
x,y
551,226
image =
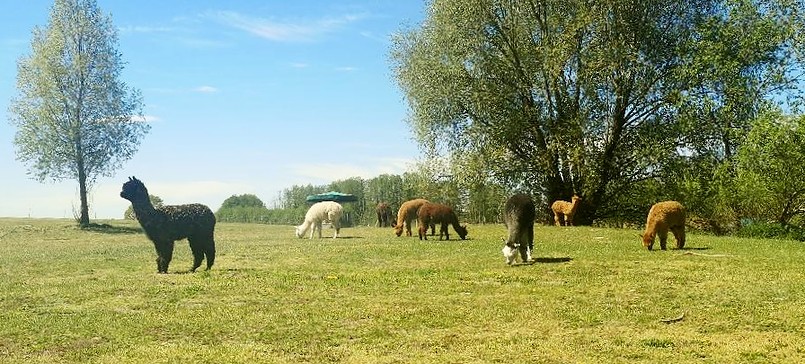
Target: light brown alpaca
x,y
664,216
407,214
567,209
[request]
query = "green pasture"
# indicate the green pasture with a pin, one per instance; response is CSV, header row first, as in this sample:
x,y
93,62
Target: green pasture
x,y
594,296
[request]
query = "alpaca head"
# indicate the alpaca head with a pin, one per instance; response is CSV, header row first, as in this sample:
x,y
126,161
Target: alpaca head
x,y
648,240
510,254
398,229
462,231
576,199
300,232
134,190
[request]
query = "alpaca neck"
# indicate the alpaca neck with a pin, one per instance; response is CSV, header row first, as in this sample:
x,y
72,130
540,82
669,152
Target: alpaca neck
x,y
573,206
143,209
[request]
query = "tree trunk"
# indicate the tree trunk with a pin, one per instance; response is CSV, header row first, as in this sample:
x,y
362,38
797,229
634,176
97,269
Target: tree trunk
x,y
82,192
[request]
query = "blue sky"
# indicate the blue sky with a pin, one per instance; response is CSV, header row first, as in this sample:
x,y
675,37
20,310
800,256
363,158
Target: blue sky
x,y
242,97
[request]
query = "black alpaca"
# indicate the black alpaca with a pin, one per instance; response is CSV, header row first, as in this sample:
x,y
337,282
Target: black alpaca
x,y
165,225
518,214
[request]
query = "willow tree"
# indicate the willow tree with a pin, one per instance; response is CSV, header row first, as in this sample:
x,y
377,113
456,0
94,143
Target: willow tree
x,y
75,118
565,96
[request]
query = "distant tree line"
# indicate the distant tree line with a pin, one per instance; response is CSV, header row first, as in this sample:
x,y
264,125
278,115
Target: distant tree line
x,y
290,206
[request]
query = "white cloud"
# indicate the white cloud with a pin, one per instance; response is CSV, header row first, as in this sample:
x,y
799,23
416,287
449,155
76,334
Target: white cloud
x,y
346,69
206,89
299,65
107,203
283,31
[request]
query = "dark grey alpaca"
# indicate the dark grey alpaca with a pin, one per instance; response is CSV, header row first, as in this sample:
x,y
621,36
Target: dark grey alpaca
x,y
165,225
518,215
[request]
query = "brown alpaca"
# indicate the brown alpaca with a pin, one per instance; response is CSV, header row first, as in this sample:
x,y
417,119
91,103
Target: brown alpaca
x,y
434,213
568,209
407,214
383,214
664,216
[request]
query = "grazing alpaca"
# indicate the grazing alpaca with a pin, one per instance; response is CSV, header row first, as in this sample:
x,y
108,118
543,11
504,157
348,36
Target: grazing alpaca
x,y
433,213
664,216
166,224
518,215
568,209
319,212
383,214
407,214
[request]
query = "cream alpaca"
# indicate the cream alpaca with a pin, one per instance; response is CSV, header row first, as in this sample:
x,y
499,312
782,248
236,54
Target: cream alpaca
x,y
321,211
664,216
568,209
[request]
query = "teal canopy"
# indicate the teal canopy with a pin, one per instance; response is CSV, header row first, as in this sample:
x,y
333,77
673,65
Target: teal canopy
x,y
332,196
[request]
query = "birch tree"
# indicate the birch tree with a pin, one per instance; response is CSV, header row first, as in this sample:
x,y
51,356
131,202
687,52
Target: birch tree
x,y
75,117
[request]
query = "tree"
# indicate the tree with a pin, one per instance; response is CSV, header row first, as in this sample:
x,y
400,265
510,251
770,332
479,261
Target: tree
x,y
245,200
75,118
576,96
771,169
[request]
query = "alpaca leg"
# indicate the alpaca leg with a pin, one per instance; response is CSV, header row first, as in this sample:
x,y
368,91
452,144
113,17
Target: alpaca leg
x,y
524,255
197,247
318,227
443,230
432,229
568,220
529,235
164,255
408,228
337,227
679,235
556,219
422,233
663,235
210,253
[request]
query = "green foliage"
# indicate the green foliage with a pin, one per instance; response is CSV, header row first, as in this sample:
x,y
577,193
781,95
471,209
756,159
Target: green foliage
x,y
771,169
245,200
75,119
596,98
156,201
773,230
243,208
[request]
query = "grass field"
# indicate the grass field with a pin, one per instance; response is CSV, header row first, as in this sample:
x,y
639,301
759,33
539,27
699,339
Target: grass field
x,y
594,296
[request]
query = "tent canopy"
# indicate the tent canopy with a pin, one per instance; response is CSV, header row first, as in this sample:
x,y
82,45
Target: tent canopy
x,y
332,196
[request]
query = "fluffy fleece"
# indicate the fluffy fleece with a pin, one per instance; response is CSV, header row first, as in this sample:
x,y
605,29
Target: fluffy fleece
x,y
565,209
518,215
321,211
166,224
664,216
407,214
433,213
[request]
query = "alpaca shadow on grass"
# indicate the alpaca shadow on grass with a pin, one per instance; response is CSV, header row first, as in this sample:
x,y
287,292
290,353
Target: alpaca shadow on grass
x,y
543,260
111,229
694,248
553,260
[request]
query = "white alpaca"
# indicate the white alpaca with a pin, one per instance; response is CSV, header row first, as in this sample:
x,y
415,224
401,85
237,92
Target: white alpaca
x,y
321,211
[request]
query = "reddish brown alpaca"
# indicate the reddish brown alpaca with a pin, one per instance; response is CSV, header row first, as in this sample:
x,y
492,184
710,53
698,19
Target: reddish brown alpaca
x,y
568,209
383,214
407,214
434,213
